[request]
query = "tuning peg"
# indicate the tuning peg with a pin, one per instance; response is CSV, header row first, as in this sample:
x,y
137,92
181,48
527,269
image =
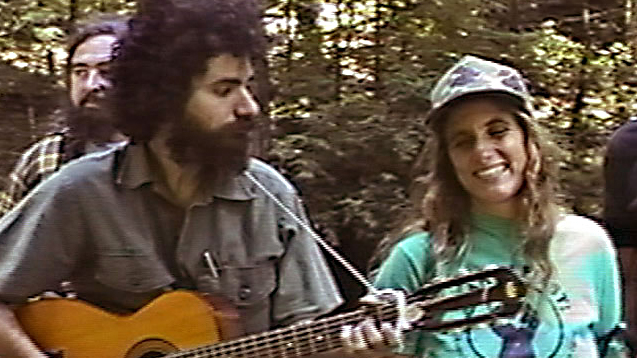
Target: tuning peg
x,y
482,325
502,321
456,330
414,313
463,271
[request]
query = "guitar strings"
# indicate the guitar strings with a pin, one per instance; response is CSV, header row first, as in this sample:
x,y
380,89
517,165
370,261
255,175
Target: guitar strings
x,y
288,340
296,340
301,339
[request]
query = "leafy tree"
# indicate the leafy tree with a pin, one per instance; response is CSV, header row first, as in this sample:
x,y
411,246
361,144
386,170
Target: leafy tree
x,y
348,82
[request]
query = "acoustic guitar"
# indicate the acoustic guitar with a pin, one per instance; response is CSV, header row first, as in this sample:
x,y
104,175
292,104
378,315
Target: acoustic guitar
x,y
184,324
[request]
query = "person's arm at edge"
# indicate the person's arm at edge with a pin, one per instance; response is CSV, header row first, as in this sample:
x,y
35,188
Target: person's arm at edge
x,y
27,173
608,290
14,342
14,191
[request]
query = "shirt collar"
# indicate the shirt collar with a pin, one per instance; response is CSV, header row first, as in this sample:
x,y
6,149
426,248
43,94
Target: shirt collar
x,y
135,169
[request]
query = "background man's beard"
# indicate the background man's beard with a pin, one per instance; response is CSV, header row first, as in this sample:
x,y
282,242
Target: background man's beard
x,y
90,124
216,152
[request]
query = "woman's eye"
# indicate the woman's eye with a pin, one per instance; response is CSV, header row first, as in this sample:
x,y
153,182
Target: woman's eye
x,y
498,132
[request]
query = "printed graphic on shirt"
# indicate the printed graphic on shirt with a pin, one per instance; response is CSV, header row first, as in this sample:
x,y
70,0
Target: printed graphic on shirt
x,y
517,339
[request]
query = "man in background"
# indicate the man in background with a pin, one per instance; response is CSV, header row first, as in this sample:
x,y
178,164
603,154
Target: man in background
x,y
85,127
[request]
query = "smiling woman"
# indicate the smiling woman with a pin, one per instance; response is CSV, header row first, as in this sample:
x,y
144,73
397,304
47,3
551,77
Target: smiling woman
x,y
487,151
488,199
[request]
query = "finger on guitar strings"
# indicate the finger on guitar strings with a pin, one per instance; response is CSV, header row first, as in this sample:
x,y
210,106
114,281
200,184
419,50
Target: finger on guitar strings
x,y
367,336
392,336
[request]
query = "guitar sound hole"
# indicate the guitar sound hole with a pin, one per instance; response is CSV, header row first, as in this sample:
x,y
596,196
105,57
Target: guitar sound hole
x,y
153,355
151,348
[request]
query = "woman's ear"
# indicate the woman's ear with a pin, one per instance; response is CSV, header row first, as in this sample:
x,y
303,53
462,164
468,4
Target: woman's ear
x,y
534,163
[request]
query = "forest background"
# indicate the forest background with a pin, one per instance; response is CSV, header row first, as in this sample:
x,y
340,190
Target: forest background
x,y
347,84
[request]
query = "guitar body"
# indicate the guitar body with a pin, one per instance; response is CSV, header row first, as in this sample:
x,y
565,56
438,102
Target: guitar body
x,y
70,328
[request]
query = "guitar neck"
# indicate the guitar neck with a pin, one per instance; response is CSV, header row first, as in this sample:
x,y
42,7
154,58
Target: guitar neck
x,y
299,340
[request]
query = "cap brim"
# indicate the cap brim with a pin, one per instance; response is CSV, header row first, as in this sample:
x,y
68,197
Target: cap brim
x,y
433,113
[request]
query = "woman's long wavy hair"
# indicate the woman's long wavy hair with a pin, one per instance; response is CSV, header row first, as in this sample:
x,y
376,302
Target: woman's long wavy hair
x,y
442,206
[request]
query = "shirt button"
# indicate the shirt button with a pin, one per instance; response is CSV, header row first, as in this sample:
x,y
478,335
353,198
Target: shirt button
x,y
244,292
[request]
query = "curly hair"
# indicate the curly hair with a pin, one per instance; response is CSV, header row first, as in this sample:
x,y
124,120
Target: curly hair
x,y
95,25
441,204
169,44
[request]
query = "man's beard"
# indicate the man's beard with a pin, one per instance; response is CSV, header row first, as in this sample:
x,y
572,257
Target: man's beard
x,y
89,124
216,153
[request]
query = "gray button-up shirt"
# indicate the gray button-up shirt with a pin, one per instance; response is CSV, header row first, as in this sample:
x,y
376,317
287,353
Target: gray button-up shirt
x,y
100,223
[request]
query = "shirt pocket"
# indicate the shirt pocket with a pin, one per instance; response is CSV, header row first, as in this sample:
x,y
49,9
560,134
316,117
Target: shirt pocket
x,y
131,271
249,288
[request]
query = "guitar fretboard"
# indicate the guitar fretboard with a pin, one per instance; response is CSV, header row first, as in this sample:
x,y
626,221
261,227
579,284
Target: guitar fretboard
x,y
297,340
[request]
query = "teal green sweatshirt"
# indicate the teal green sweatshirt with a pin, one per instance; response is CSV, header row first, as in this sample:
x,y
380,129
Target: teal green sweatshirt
x,y
580,305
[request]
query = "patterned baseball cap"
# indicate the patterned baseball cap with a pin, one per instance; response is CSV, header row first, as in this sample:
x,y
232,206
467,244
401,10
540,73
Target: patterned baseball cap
x,y
472,75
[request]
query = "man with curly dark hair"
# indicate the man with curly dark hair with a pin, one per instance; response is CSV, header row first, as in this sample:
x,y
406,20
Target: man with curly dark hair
x,y
182,205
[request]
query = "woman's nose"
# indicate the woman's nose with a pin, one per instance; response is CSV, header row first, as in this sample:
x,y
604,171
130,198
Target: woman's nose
x,y
484,148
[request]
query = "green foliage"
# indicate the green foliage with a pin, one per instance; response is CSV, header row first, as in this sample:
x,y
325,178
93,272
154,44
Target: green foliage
x,y
353,96
583,95
352,79
33,53
33,32
361,123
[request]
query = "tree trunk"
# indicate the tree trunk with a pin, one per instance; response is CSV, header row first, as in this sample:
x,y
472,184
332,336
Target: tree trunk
x,y
72,11
629,25
514,24
337,52
577,126
263,93
377,64
289,35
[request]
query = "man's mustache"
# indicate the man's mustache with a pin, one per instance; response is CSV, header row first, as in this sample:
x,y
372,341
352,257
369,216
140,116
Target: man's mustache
x,y
243,124
93,96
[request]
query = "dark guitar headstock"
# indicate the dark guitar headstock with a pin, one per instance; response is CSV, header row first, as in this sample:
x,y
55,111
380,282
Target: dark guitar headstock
x,y
499,290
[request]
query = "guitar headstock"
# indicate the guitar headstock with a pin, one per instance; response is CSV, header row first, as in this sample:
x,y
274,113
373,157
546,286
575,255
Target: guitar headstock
x,y
490,294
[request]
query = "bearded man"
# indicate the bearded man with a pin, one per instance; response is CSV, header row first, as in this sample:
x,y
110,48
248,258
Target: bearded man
x,y
84,127
182,205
